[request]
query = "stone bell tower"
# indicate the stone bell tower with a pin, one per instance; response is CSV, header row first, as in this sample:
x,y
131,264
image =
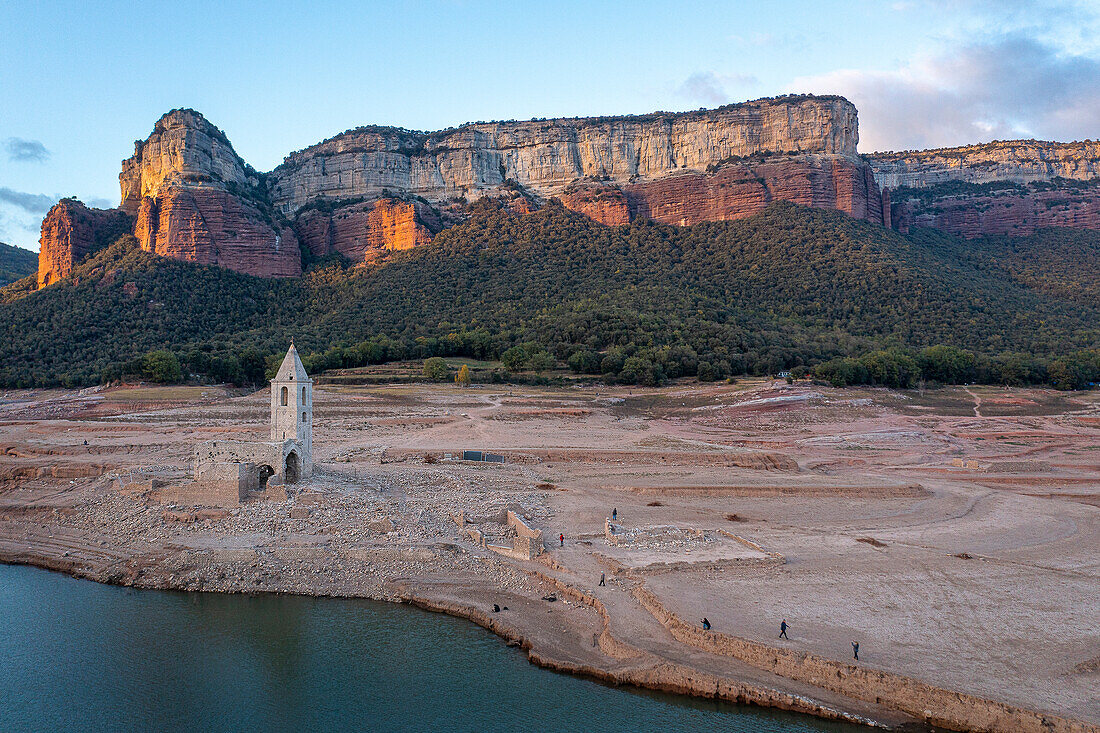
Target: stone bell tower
x,y
292,411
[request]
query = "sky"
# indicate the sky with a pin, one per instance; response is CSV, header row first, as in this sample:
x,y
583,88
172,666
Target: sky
x,y
80,81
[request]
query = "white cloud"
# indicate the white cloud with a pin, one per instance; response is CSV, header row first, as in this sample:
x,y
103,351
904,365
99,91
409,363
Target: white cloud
x,y
26,151
710,89
32,203
1009,87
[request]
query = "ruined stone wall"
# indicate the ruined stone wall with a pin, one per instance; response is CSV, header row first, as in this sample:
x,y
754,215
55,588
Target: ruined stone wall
x,y
227,483
238,451
528,542
936,706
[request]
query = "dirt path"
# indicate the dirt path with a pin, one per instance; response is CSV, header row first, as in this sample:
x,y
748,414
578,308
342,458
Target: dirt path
x,y
977,402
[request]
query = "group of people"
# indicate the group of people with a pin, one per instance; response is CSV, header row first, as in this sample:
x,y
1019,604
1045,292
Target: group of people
x,y
783,626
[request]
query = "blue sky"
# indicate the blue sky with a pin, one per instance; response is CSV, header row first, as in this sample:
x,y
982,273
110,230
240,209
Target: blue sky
x,y
80,81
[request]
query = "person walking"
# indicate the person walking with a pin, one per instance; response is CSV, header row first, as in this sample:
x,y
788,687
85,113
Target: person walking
x,y
783,629
855,650
614,514
561,539
602,578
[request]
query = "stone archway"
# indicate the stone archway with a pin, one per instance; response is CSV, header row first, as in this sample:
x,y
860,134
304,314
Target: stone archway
x,y
293,468
265,473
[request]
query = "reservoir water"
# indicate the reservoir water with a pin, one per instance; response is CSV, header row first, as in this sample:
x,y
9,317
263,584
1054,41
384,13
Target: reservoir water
x,y
77,655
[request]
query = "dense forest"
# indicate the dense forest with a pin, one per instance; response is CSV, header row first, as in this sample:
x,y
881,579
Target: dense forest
x,y
16,263
791,288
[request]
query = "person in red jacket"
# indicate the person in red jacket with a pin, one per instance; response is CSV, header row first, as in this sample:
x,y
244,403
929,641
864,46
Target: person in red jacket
x,y
561,539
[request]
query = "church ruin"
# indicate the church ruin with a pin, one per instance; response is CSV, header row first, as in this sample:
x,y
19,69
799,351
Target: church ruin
x,y
230,469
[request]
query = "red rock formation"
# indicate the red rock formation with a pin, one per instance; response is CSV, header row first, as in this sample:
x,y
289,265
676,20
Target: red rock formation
x,y
605,204
363,232
210,226
734,191
72,231
1011,212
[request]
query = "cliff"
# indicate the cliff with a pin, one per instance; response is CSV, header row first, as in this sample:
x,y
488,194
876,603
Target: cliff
x,y
211,226
365,231
373,190
545,156
1010,187
183,149
734,190
70,232
196,200
1020,161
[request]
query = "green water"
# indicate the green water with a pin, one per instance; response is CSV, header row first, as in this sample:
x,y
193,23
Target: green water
x,y
76,655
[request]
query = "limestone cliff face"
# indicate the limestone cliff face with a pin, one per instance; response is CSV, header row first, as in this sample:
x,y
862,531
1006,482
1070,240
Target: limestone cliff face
x,y
1021,161
72,231
196,200
1018,210
372,190
365,231
546,156
1008,187
183,149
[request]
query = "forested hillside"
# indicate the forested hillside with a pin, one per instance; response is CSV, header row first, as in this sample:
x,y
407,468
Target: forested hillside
x,y
16,263
641,302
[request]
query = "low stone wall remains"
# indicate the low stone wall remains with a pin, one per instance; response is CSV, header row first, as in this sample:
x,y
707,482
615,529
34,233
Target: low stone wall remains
x,y
936,706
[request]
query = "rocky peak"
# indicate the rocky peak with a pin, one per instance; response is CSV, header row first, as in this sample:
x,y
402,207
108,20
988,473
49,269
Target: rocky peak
x,y
185,149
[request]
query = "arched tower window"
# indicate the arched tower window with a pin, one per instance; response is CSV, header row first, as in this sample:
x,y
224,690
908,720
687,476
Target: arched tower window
x,y
304,419
303,395
283,395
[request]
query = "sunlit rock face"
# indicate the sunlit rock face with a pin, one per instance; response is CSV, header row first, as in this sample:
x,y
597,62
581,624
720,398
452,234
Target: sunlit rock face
x,y
70,232
195,200
183,149
546,157
363,232
374,190
209,226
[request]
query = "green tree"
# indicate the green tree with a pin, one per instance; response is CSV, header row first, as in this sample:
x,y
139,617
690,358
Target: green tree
x,y
514,359
946,364
161,366
540,361
435,369
584,361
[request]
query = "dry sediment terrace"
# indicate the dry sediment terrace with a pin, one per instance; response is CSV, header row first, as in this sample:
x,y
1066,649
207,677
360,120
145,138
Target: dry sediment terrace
x,y
845,512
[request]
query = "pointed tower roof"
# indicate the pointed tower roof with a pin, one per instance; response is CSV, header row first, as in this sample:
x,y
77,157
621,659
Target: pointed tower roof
x,y
291,369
